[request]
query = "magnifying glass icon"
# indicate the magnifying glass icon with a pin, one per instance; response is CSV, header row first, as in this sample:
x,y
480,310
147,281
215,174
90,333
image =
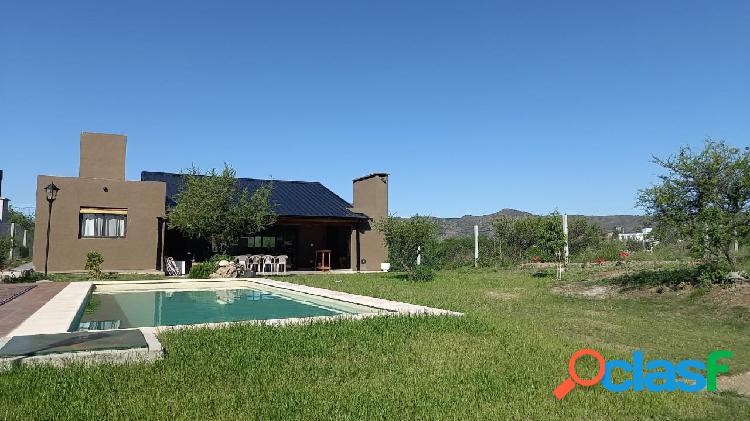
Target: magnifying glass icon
x,y
568,384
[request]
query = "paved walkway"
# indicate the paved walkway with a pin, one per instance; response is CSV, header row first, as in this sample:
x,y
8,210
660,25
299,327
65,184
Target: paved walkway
x,y
13,313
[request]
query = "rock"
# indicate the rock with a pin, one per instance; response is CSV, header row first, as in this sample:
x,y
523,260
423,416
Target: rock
x,y
223,263
229,270
736,277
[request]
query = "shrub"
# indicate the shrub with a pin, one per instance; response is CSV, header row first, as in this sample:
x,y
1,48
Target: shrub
x,y
607,251
421,273
216,258
403,236
205,269
5,245
27,277
524,238
201,270
94,262
454,253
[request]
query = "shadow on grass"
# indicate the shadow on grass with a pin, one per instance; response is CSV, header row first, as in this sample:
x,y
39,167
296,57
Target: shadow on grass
x,y
657,277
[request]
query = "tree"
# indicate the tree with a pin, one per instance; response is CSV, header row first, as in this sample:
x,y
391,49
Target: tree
x,y
21,219
704,198
403,237
532,235
583,235
212,206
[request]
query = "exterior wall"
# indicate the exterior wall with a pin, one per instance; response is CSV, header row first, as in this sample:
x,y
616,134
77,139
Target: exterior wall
x,y
144,201
370,198
4,210
102,156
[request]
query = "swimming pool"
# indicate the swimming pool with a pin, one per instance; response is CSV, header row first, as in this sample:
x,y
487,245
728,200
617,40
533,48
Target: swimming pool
x,y
125,307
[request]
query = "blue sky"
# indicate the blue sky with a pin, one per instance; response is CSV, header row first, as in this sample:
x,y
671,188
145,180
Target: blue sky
x,y
471,106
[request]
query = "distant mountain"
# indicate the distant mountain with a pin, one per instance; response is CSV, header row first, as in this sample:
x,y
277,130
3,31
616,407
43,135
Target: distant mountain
x,y
464,226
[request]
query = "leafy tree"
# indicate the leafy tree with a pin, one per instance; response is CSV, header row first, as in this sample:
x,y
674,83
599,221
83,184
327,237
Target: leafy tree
x,y
704,198
5,246
212,206
583,235
21,219
403,236
530,236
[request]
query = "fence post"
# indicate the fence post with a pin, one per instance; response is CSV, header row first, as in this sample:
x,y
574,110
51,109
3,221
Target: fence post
x,y
476,246
12,240
566,251
419,255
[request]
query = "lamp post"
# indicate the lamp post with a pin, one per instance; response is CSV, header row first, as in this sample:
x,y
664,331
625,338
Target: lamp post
x,y
51,190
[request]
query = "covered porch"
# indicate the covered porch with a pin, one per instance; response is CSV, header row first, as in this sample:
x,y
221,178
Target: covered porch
x,y
299,238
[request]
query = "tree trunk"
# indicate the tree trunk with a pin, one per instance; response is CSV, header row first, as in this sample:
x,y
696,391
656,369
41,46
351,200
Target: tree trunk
x,y
731,257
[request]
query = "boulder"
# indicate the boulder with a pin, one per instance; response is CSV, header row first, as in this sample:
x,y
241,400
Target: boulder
x,y
226,271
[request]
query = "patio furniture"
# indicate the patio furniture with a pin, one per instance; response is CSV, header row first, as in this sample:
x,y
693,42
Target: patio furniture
x,y
281,261
243,262
256,262
270,262
323,260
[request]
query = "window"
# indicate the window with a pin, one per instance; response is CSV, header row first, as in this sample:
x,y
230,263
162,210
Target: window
x,y
107,223
261,242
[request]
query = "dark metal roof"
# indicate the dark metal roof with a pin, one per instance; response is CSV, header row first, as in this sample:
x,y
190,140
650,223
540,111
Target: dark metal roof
x,y
290,198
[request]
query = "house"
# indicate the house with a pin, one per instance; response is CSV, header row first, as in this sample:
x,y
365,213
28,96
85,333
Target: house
x,y
636,236
99,210
126,221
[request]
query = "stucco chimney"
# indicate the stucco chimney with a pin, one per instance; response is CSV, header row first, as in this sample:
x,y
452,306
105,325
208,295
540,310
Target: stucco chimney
x,y
102,156
371,195
370,198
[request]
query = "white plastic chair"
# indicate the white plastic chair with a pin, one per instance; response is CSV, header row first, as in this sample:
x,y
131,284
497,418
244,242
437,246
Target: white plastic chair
x,y
243,262
257,263
269,260
281,261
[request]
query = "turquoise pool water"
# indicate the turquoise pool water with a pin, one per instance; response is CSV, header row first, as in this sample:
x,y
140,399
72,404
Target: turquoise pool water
x,y
122,310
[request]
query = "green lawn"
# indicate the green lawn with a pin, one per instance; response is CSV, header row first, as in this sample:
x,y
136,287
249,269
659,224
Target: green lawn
x,y
500,361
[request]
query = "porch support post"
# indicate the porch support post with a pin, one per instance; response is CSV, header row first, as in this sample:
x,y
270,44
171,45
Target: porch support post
x,y
359,257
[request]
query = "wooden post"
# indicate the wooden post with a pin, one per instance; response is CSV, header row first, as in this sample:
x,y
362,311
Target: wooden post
x,y
419,255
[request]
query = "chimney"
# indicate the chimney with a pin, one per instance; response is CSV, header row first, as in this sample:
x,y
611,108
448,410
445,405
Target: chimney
x,y
1,183
102,156
371,198
371,195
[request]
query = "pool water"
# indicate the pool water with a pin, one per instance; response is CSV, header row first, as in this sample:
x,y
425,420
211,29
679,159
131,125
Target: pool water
x,y
123,310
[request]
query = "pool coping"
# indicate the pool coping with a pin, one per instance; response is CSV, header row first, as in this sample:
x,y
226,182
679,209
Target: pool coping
x,y
58,315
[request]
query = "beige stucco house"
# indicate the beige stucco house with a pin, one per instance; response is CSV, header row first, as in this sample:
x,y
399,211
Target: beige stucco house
x,y
127,221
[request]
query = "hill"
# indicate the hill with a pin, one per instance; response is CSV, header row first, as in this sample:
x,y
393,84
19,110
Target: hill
x,y
464,226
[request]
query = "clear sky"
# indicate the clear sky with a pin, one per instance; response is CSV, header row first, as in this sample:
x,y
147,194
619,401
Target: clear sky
x,y
471,106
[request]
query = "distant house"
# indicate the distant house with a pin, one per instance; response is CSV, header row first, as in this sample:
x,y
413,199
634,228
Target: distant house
x,y
127,221
21,238
636,236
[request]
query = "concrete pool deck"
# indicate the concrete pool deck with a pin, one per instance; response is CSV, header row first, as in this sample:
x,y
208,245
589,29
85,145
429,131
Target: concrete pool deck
x,y
57,316
14,312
